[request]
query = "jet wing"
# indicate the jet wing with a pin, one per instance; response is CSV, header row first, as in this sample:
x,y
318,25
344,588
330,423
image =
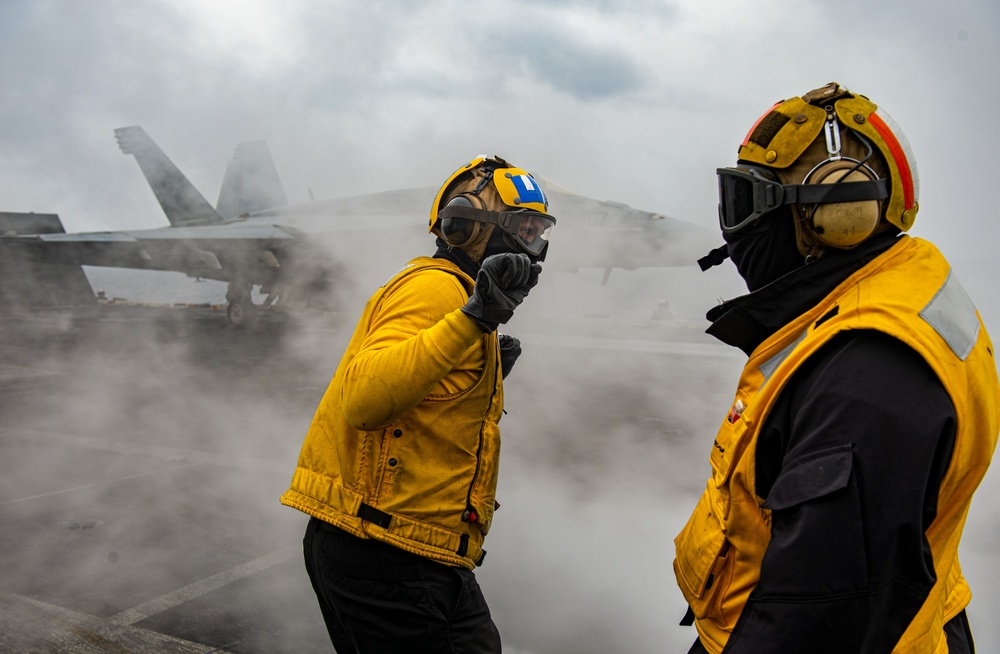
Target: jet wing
x,y
223,252
26,283
253,237
589,233
205,242
592,233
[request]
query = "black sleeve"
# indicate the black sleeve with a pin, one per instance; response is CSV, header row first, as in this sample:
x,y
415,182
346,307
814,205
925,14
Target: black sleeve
x,y
850,461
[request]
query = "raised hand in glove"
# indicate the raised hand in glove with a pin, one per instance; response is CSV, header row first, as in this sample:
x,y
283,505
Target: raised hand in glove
x,y
510,349
502,282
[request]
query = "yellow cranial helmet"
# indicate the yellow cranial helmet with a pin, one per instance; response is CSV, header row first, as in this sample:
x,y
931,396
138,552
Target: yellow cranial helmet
x,y
838,158
487,193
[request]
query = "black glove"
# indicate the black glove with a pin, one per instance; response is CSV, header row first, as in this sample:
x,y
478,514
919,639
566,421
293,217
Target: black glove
x,y
502,282
510,349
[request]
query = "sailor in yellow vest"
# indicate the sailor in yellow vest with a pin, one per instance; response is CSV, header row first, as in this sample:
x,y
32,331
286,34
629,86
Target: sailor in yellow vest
x,y
866,415
399,467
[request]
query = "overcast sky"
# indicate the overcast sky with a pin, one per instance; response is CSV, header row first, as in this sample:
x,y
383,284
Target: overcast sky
x,y
633,101
636,101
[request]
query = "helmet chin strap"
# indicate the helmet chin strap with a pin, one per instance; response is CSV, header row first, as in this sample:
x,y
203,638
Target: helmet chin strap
x,y
714,258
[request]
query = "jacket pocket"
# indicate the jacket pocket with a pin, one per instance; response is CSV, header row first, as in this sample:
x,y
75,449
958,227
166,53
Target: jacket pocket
x,y
810,477
701,550
482,493
817,529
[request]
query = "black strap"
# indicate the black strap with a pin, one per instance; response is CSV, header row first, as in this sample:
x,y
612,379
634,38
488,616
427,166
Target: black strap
x,y
827,193
463,549
470,213
502,218
688,618
714,258
373,515
382,519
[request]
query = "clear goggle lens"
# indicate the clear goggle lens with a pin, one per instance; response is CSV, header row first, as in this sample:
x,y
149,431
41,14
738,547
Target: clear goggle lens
x,y
525,230
530,229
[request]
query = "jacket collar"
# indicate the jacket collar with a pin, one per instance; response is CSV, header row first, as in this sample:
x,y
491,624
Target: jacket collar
x,y
745,322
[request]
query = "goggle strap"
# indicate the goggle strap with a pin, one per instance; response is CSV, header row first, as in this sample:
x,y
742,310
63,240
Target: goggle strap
x,y
829,193
470,213
500,218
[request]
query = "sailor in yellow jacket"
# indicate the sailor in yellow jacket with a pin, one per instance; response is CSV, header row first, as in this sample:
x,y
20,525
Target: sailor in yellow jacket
x,y
866,415
399,467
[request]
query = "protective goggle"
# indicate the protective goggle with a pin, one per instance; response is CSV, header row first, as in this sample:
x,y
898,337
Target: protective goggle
x,y
747,193
524,229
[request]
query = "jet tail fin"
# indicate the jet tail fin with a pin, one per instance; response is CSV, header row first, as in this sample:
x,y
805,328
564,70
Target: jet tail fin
x,y
251,182
181,201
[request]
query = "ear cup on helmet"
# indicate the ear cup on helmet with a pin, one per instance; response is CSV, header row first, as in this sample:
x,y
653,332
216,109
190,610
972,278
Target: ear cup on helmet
x,y
460,231
844,224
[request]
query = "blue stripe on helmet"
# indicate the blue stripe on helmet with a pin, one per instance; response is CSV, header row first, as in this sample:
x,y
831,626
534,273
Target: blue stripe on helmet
x,y
528,190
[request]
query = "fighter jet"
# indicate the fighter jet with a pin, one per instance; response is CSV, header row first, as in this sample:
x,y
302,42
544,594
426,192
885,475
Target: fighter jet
x,y
253,239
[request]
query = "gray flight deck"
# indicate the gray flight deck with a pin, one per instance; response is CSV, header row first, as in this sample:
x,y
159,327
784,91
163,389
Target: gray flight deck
x,y
143,451
140,466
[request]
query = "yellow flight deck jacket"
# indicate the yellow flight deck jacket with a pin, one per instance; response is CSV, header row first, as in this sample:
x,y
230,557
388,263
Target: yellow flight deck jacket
x,y
907,292
404,446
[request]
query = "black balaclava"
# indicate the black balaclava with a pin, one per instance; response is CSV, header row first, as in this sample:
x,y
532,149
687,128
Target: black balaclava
x,y
457,257
766,250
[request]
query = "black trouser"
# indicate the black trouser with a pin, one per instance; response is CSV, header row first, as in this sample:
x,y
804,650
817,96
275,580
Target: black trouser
x,y
378,599
957,631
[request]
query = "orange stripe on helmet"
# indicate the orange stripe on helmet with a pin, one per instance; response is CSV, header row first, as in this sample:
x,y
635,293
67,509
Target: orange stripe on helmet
x,y
746,139
898,154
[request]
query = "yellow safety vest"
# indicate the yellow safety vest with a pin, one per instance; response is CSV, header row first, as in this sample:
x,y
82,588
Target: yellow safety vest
x,y
425,483
908,292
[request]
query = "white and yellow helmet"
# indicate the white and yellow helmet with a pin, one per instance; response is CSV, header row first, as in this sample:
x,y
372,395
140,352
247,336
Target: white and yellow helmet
x,y
816,152
487,193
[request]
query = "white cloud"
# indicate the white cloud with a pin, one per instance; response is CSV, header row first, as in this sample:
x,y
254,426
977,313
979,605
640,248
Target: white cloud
x,y
261,38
